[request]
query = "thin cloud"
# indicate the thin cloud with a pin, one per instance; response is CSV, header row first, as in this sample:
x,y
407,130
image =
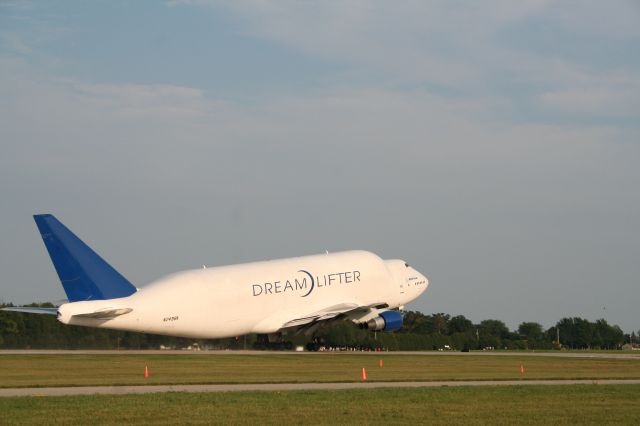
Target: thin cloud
x,y
495,167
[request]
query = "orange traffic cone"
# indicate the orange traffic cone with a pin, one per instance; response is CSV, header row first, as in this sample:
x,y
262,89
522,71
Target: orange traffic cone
x,y
521,369
380,362
364,374
146,372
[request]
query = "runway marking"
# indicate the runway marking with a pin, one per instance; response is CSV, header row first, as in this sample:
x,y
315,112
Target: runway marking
x,y
121,390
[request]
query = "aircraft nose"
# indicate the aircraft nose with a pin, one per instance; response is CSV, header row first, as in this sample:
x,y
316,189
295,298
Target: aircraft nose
x,y
419,280
423,282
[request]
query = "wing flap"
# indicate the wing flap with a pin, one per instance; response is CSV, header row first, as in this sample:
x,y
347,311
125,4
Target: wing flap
x,y
324,314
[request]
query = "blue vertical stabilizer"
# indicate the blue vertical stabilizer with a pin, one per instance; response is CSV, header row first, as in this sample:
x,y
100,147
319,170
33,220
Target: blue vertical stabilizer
x,y
84,274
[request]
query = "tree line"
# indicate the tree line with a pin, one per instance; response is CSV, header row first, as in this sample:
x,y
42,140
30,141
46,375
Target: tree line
x,y
420,332
460,332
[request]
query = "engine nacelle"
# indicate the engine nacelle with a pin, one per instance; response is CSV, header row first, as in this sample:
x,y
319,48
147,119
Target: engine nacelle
x,y
387,321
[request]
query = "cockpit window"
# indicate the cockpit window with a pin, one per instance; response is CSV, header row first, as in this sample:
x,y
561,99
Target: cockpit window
x,y
406,265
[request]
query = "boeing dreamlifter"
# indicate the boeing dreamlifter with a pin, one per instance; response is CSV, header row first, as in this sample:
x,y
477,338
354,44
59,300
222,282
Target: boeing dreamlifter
x,y
271,297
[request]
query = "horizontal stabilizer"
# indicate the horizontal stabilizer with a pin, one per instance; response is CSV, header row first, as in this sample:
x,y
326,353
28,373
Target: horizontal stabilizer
x,y
32,310
107,313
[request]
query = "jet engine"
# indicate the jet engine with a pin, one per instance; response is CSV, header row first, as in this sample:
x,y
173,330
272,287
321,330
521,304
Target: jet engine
x,y
386,321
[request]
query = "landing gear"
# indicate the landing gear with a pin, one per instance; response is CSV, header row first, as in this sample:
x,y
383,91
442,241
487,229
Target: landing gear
x,y
272,342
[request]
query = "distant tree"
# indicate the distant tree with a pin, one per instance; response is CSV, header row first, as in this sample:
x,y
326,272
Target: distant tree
x,y
607,336
531,330
463,340
415,322
420,331
440,323
495,328
8,325
585,333
566,331
460,324
533,334
492,332
579,333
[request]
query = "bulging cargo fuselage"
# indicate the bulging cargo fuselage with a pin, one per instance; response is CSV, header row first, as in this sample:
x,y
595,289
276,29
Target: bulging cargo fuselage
x,y
258,297
298,294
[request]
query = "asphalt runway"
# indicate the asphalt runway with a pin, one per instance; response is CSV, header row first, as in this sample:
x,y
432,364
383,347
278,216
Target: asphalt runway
x,y
270,387
605,355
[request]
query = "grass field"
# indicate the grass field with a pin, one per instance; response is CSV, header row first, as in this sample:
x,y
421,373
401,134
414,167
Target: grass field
x,y
578,404
86,370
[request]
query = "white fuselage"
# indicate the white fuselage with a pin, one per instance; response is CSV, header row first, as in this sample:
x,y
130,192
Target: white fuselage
x,y
258,297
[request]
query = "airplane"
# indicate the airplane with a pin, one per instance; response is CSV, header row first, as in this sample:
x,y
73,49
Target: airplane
x,y
269,298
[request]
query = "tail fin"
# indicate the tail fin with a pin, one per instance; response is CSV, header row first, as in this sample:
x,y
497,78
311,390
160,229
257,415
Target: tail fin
x,y
84,274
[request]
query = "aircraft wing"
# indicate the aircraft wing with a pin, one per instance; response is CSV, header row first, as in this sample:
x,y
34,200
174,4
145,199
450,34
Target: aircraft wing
x,y
324,314
350,309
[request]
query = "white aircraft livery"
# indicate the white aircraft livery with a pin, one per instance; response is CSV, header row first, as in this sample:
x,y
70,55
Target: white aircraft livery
x,y
268,298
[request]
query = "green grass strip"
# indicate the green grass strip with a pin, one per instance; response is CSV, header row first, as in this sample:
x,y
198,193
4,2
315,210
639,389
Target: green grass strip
x,y
554,405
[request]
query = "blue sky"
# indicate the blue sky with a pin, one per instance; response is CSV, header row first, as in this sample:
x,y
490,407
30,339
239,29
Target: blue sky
x,y
494,146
